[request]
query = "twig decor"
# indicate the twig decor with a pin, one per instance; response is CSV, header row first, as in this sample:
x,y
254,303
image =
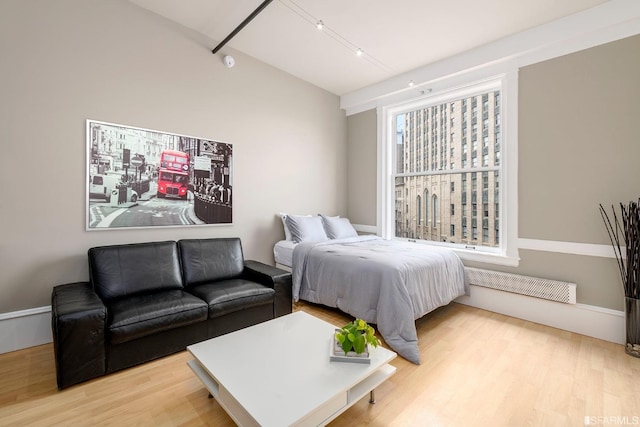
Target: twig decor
x,y
624,233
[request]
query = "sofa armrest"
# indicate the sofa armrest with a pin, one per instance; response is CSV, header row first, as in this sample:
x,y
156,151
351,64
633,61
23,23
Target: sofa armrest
x,y
276,278
78,323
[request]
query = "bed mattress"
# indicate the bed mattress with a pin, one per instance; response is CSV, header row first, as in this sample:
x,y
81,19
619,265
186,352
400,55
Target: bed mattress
x,y
283,252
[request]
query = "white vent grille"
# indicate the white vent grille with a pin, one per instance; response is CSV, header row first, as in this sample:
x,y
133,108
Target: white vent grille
x,y
532,286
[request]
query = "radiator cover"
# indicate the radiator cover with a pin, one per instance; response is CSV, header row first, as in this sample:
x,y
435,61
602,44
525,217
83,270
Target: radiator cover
x,y
552,290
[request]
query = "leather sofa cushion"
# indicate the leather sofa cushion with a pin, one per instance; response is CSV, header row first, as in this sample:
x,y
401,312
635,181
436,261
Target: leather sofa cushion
x,y
121,270
141,315
227,296
208,260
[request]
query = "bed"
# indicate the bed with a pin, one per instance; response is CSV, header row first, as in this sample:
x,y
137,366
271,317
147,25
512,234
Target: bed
x,y
386,282
283,254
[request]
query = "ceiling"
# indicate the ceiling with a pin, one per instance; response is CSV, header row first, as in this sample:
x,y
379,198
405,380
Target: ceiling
x,y
395,37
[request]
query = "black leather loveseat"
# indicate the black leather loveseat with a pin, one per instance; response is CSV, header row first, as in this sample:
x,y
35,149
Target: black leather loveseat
x,y
148,300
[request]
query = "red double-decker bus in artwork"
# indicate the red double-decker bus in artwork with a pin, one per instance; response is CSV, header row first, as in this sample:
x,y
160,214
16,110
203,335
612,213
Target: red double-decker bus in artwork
x,y
173,174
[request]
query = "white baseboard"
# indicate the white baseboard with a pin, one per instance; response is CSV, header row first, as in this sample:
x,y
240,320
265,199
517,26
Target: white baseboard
x,y
25,328
592,321
283,267
28,328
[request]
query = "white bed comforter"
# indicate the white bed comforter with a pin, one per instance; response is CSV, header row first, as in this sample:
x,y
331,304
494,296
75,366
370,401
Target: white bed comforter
x,y
386,282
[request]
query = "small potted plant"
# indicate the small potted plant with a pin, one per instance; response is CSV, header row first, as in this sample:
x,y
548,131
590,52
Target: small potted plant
x,y
355,337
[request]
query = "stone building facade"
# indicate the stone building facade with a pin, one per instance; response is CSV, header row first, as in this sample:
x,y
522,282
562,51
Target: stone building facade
x,y
447,184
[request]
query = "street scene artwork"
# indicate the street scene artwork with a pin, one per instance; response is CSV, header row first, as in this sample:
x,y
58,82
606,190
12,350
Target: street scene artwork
x,y
147,178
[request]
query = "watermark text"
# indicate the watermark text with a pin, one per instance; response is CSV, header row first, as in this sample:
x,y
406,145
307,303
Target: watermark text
x,y
611,420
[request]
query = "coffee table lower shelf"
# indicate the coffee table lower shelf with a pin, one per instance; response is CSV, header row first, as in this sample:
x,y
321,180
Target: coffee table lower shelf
x,y
321,416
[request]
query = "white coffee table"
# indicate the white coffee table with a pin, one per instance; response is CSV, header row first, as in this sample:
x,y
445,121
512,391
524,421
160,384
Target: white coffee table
x,y
260,381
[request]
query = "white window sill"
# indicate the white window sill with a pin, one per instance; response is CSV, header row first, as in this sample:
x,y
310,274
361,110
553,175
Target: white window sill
x,y
487,257
495,257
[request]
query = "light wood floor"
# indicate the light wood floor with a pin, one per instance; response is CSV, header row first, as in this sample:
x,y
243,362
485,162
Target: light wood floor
x,y
478,369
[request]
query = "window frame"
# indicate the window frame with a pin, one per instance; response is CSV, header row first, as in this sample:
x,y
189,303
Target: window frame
x,y
507,84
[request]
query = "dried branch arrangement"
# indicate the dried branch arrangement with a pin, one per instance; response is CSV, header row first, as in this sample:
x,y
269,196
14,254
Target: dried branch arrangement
x,y
624,232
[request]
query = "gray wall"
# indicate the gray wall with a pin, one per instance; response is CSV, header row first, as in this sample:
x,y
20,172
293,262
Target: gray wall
x,y
361,173
66,61
578,147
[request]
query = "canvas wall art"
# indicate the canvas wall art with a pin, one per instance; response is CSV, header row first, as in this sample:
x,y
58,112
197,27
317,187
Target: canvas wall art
x,y
147,178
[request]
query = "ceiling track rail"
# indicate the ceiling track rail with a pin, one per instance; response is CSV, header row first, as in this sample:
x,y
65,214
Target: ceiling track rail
x,y
242,25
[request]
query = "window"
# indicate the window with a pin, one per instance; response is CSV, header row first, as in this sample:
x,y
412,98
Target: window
x,y
426,207
434,210
469,163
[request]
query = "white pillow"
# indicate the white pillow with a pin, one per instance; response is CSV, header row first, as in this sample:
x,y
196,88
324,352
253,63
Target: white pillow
x,y
287,232
338,228
306,228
